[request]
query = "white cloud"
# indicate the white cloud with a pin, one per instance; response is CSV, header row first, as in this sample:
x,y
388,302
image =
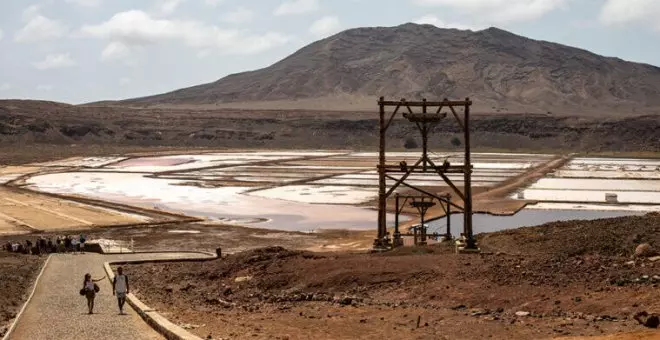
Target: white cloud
x,y
238,16
203,54
125,81
437,22
645,12
5,87
129,30
499,11
39,28
55,61
30,12
170,6
115,50
296,7
85,3
45,88
213,3
325,26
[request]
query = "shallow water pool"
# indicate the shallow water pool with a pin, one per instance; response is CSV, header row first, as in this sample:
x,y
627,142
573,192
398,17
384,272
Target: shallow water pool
x,y
484,223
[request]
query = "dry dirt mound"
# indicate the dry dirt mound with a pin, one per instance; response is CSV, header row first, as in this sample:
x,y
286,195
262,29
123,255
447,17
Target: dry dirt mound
x,y
594,253
603,237
555,287
272,273
17,272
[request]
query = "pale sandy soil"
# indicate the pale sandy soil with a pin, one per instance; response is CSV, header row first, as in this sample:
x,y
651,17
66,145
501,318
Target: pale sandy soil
x,y
24,211
18,169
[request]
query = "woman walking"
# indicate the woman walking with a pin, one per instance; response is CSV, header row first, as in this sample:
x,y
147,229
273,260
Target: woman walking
x,y
90,288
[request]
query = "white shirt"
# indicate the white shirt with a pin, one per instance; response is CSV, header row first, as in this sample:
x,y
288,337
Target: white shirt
x,y
120,283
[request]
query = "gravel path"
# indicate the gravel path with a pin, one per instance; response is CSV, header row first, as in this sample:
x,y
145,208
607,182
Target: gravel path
x,y
57,311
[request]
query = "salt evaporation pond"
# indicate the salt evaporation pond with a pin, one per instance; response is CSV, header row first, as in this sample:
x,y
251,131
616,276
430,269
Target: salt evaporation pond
x,y
486,223
222,204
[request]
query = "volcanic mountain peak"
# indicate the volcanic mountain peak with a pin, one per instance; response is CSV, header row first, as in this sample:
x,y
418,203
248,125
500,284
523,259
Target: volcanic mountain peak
x,y
498,69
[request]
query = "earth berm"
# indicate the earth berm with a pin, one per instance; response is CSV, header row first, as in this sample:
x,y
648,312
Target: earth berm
x,y
563,278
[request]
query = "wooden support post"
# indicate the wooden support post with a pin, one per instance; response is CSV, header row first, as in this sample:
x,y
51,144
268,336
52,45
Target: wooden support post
x,y
397,234
448,235
470,242
422,228
425,138
379,243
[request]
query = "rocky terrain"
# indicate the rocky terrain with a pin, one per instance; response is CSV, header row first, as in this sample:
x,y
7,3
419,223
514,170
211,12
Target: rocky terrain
x,y
562,278
24,123
500,71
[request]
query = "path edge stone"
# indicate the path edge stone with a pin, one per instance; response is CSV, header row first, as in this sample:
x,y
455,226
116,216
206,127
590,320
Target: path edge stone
x,y
27,301
154,319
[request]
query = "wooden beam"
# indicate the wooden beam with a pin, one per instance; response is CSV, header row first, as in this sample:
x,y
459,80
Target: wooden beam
x,y
431,194
452,169
458,119
403,178
448,181
428,104
403,205
396,110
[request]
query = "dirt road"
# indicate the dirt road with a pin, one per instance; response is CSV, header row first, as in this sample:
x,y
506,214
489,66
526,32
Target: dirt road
x,y
57,311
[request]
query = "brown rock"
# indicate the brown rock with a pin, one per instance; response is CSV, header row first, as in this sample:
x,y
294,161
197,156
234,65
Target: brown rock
x,y
644,250
648,320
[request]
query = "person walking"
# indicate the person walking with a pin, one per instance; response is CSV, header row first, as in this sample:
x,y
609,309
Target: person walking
x,y
120,288
90,288
82,243
67,244
74,245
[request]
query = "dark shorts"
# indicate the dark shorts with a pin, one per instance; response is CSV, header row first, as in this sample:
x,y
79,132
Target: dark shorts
x,y
121,295
90,294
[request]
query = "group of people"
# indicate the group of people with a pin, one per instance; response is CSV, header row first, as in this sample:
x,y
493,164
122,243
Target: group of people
x,y
119,289
43,245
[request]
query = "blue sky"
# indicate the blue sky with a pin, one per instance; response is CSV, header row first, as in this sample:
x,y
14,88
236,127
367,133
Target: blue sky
x,y
86,50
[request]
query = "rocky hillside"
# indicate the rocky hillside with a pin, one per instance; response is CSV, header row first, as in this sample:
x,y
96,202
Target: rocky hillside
x,y
501,71
27,122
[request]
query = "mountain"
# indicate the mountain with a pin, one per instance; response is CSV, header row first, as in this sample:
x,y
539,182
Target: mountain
x,y
499,70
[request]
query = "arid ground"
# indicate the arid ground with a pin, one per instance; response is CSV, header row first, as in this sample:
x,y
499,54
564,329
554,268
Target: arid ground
x,y
573,278
560,279
18,273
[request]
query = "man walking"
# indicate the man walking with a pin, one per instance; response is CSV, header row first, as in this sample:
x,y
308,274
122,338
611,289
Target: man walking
x,y
120,288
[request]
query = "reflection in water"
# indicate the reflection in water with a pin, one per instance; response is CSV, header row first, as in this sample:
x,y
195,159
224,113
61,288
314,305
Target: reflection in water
x,y
293,222
484,223
222,204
